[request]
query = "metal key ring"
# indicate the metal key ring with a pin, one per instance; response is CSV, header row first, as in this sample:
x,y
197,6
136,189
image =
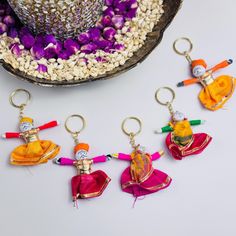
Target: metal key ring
x,y
76,132
17,91
165,103
131,133
183,53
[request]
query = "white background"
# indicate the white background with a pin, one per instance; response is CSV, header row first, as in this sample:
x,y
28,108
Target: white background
x,y
201,199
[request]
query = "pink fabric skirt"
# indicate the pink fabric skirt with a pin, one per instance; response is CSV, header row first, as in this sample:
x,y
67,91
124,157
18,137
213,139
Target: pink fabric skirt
x,y
89,185
198,144
156,181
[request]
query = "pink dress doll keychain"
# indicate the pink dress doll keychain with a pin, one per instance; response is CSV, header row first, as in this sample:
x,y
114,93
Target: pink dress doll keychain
x,y
35,151
140,178
181,142
216,91
86,184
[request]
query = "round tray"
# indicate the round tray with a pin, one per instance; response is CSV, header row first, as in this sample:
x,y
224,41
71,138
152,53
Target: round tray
x,y
171,8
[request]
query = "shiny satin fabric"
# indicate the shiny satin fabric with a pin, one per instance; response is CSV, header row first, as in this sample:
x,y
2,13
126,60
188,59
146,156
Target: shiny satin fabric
x,y
216,94
34,153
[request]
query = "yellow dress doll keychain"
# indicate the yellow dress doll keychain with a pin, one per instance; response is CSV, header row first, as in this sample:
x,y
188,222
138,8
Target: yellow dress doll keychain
x,y
216,91
34,151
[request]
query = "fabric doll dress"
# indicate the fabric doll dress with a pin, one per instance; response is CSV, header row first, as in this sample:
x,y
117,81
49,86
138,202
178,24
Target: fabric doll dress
x,y
141,178
182,142
35,151
214,95
87,184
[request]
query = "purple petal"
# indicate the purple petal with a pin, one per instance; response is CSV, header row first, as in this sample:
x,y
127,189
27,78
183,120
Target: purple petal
x,y
89,48
64,55
9,21
84,38
106,21
13,33
119,47
23,31
109,33
103,43
109,12
27,40
3,28
94,34
15,49
71,45
101,59
120,8
42,68
131,14
118,21
37,51
50,53
108,2
49,39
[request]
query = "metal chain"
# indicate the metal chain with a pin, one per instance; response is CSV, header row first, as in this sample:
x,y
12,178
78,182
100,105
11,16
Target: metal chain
x,y
132,141
170,108
75,137
189,59
22,107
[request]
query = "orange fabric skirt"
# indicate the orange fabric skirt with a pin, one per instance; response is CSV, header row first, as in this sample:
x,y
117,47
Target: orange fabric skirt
x,y
34,153
216,94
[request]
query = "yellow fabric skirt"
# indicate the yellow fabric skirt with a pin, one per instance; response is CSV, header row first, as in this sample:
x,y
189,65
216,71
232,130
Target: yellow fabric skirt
x,y
34,153
216,94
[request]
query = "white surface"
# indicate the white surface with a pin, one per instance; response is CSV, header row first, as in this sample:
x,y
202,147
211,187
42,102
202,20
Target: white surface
x,y
201,199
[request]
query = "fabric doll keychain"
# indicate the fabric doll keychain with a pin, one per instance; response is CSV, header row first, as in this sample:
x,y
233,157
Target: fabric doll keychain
x,y
35,151
181,142
85,184
216,91
140,178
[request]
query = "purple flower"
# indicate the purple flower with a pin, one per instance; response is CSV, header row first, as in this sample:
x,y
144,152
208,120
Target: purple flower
x,y
84,38
13,33
94,33
109,12
40,40
131,14
3,28
15,49
49,39
50,53
64,55
27,40
37,51
103,43
118,21
106,21
120,8
109,33
108,2
89,48
71,45
9,20
2,10
132,4
23,31
42,68
119,47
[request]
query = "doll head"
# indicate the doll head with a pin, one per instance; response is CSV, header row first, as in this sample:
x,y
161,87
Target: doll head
x,y
198,67
178,116
26,124
81,151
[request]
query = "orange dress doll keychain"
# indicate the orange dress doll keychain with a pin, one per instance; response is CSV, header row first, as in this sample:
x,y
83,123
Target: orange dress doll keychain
x,y
34,151
216,91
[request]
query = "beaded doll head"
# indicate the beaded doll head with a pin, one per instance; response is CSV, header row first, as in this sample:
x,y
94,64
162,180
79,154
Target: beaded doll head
x,y
81,151
198,67
26,124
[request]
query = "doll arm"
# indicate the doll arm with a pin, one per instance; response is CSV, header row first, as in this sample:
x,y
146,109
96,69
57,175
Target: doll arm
x,y
64,161
120,156
188,82
11,135
165,129
221,65
49,125
157,155
100,159
196,122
